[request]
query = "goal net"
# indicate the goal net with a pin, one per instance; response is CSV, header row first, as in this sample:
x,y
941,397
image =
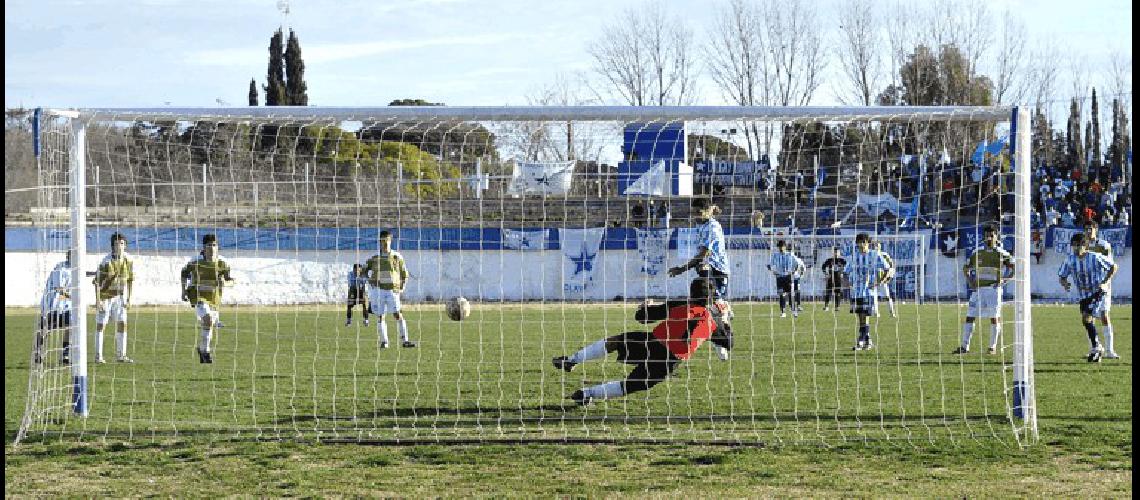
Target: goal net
x,y
557,224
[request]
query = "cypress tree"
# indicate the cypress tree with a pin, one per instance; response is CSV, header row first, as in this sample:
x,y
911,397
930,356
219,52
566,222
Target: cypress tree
x,y
275,81
252,92
296,91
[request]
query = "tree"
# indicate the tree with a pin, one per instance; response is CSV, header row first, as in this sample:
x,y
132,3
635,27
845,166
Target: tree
x,y
738,62
252,92
645,59
1094,122
1010,86
414,102
275,81
943,79
296,91
796,42
859,50
1076,152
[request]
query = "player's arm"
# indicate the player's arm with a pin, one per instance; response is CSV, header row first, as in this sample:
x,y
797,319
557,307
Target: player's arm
x,y
1108,276
971,262
1063,275
185,278
801,269
130,283
403,274
649,313
692,264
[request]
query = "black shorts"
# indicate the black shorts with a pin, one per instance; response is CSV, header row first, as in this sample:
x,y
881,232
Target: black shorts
x,y
786,284
55,320
357,296
864,306
651,359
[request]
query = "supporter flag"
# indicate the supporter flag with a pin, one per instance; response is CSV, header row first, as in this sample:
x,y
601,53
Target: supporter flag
x,y
544,178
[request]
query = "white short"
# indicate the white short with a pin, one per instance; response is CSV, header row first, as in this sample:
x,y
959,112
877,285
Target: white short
x,y
113,308
985,302
383,301
204,309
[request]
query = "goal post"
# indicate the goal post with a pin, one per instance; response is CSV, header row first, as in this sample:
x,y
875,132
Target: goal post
x,y
556,223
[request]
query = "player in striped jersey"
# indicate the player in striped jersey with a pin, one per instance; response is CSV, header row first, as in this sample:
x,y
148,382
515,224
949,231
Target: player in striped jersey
x,y
357,292
711,260
203,280
114,284
866,270
387,278
1103,247
684,326
788,268
55,309
884,290
1092,272
986,270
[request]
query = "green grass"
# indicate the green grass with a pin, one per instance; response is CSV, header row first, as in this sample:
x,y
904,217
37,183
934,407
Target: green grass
x,y
808,416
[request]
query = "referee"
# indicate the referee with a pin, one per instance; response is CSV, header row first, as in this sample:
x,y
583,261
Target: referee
x,y
788,268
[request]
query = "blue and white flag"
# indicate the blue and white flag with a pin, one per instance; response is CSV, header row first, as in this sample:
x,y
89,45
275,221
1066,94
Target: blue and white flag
x,y
1117,237
544,178
876,204
580,249
654,182
653,246
525,239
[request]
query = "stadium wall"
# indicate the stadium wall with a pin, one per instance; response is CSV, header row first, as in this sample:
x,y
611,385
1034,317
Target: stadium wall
x,y
314,276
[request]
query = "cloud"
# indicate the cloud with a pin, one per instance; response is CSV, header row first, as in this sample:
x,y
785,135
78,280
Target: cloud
x,y
330,52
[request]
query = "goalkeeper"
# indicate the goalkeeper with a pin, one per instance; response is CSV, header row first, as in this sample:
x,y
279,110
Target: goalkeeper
x,y
203,279
684,326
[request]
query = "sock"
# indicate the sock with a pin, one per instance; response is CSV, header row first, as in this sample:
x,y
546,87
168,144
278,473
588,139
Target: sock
x,y
402,328
605,391
597,350
864,333
1091,329
782,300
350,313
204,341
967,332
382,327
98,342
121,344
995,334
1108,338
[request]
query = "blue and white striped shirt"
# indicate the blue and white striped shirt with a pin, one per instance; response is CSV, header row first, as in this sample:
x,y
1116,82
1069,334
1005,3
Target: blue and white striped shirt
x,y
58,284
711,236
356,280
786,263
1088,271
863,271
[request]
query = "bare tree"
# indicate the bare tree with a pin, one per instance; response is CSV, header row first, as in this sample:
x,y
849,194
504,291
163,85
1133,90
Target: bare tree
x,y
1119,77
1041,73
859,50
963,23
559,141
1079,74
738,62
1010,85
796,41
902,35
646,58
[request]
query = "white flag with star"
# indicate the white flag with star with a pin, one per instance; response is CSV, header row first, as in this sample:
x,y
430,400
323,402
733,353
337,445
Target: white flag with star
x,y
580,249
543,178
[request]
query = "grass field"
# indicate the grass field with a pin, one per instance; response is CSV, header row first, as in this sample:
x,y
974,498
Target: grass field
x,y
808,416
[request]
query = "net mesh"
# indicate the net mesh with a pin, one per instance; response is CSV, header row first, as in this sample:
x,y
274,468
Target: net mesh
x,y
555,229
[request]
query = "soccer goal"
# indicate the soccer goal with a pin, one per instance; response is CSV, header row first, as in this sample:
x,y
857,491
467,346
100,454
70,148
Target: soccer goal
x,y
211,288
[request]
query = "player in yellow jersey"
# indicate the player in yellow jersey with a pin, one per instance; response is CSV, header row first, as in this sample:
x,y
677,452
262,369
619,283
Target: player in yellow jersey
x,y
986,270
203,280
114,284
387,279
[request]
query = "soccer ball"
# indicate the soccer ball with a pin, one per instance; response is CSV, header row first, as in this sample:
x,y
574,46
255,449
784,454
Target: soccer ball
x,y
458,308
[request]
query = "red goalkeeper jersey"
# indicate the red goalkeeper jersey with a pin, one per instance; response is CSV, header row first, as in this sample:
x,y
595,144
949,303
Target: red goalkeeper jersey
x,y
685,329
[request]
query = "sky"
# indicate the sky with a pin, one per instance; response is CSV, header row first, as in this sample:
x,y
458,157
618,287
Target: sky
x,y
146,53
